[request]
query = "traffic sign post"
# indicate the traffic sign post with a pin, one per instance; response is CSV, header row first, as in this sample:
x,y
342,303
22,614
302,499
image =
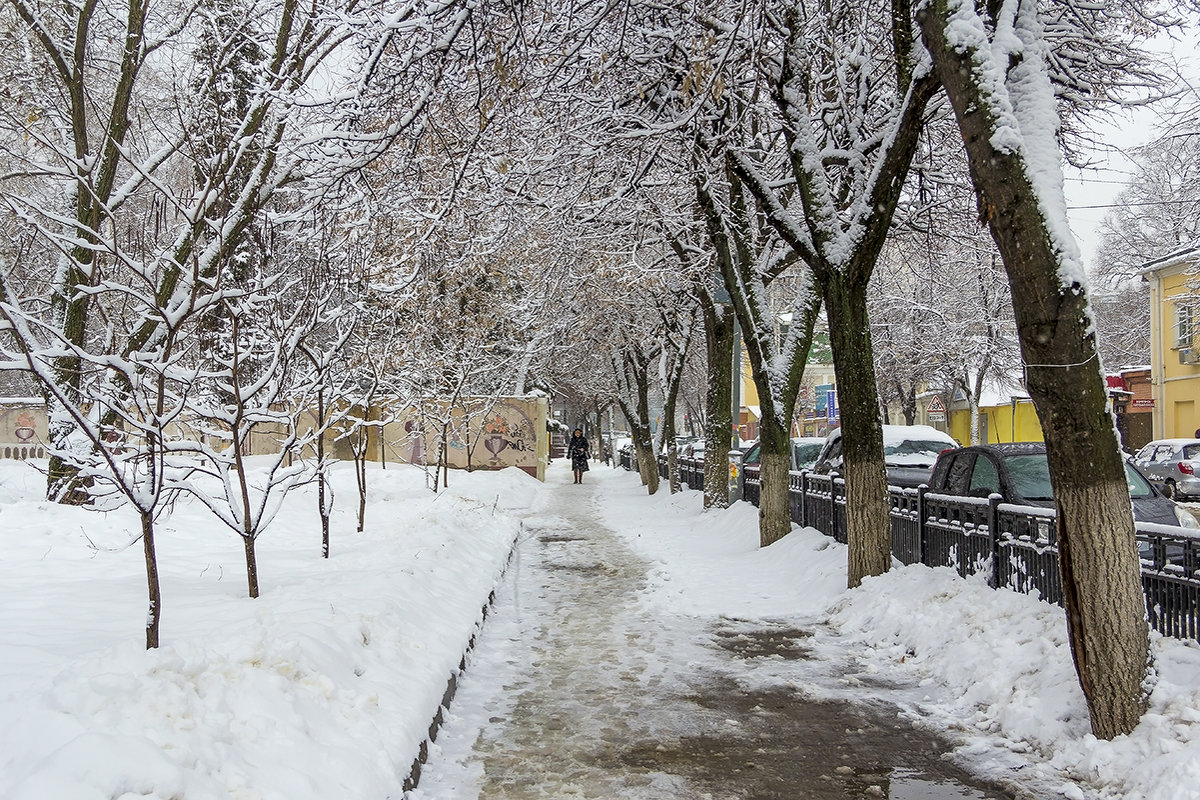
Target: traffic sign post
x,y
935,411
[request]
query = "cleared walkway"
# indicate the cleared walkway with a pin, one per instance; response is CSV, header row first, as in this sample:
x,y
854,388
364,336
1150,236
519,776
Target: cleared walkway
x,y
577,691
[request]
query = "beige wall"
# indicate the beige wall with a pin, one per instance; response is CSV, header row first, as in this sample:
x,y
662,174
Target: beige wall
x,y
482,433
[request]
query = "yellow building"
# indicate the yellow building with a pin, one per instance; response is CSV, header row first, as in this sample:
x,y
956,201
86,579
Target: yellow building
x,y
1007,419
1175,344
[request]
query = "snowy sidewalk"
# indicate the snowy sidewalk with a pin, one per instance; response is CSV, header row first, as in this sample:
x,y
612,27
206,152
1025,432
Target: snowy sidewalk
x,y
579,688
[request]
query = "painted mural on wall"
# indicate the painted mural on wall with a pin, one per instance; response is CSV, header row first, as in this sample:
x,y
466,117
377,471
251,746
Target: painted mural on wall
x,y
22,430
482,433
507,428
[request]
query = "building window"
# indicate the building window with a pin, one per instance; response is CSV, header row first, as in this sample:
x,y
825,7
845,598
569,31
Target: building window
x,y
1185,324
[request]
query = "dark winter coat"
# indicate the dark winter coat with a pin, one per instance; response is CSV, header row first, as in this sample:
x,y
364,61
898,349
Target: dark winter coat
x,y
578,451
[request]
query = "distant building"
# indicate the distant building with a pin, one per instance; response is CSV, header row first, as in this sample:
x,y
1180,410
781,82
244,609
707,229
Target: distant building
x,y
1175,344
1006,414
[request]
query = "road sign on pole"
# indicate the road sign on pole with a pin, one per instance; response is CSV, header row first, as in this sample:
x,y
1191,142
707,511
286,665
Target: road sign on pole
x,y
935,411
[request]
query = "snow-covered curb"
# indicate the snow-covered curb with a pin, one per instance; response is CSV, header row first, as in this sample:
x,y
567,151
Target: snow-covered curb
x,y
439,718
324,686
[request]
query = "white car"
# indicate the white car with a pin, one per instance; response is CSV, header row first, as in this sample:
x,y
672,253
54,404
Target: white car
x,y
909,453
1174,465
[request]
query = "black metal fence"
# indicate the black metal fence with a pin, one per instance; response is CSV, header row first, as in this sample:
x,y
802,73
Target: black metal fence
x,y
1014,545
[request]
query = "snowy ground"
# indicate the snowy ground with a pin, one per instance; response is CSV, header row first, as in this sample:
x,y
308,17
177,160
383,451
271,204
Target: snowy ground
x,y
323,687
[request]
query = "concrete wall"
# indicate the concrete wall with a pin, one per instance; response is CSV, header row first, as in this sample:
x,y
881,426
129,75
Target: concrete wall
x,y
481,433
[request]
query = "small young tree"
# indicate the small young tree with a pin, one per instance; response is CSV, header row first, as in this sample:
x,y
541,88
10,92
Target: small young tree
x,y
146,392
256,393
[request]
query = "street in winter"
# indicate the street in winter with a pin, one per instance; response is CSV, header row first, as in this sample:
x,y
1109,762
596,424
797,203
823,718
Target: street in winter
x,y
639,399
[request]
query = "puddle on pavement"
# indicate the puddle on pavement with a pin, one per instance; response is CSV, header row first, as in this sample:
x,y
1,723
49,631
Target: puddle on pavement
x,y
775,745
765,643
906,786
584,569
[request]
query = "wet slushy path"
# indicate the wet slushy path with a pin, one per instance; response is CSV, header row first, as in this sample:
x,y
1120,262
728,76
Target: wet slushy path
x,y
576,690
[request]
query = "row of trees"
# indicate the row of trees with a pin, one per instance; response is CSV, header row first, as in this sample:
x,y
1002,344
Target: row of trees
x,y
792,149
230,226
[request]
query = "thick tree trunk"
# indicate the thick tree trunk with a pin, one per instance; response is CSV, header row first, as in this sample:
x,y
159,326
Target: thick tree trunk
x,y
669,448
868,528
154,610
908,403
718,401
647,463
1098,558
774,516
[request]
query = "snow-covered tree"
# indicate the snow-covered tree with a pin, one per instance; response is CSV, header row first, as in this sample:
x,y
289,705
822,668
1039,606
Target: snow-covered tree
x,y
999,64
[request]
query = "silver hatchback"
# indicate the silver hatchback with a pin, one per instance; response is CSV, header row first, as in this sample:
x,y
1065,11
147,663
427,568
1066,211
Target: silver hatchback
x,y
1173,464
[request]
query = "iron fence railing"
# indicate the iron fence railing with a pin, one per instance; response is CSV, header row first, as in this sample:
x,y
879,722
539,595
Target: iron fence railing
x,y
1014,546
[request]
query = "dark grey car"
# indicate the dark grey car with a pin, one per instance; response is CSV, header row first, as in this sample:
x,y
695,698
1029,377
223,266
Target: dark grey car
x,y
1018,472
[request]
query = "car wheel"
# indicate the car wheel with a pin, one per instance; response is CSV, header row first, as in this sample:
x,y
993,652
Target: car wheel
x,y
1169,490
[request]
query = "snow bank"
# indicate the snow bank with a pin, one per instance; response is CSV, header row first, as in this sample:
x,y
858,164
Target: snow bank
x,y
323,687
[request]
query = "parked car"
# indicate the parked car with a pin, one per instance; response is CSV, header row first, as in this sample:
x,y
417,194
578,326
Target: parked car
x,y
909,453
1019,473
1173,465
804,452
693,449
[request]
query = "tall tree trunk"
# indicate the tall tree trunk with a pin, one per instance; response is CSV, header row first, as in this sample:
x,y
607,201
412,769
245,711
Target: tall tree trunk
x,y
868,528
633,372
718,402
908,400
154,610
670,397
774,515
1098,560
643,445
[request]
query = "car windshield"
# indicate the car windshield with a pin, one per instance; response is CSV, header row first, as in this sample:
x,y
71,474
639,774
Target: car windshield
x,y
1030,476
1138,487
913,453
806,454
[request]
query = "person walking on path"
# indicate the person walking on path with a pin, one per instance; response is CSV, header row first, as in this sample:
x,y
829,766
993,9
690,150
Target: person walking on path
x,y
577,451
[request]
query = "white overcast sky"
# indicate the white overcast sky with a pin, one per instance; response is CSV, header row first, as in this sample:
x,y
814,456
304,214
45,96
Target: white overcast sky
x,y
1089,190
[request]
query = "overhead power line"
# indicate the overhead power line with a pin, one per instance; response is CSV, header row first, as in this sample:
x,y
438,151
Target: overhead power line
x,y
1145,203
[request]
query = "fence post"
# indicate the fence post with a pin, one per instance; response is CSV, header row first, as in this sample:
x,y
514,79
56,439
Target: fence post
x,y
838,520
804,499
993,522
921,490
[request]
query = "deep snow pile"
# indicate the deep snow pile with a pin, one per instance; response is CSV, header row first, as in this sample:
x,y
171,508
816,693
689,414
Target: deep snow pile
x,y
993,668
321,688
